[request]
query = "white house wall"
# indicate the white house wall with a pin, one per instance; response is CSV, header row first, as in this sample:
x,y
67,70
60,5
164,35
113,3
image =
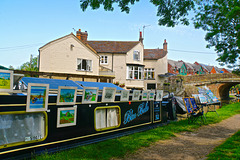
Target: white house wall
x,y
58,57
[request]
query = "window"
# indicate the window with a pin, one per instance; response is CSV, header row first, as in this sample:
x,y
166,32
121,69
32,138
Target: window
x,y
84,65
107,118
136,55
20,127
135,72
104,59
149,73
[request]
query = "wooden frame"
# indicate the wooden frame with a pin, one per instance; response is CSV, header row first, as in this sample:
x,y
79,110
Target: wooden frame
x,y
6,81
66,116
151,95
144,95
108,94
66,95
124,95
136,95
90,95
37,97
159,95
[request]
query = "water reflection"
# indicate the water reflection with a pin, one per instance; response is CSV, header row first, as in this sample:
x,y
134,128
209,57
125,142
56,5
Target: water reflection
x,y
230,100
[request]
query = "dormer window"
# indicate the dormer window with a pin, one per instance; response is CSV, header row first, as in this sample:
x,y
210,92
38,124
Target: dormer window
x,y
136,55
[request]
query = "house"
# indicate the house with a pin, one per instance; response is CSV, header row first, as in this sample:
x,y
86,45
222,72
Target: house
x,y
155,61
70,55
125,60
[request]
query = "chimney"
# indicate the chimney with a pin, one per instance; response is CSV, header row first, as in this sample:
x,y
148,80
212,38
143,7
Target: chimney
x,y
165,45
82,35
140,37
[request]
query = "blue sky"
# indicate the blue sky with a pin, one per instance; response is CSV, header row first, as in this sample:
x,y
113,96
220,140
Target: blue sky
x,y
26,25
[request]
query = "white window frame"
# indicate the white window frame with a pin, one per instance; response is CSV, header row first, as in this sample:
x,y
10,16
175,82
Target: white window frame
x,y
136,55
149,75
103,59
88,64
135,69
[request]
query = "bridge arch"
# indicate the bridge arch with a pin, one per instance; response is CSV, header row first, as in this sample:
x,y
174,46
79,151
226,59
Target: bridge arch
x,y
224,88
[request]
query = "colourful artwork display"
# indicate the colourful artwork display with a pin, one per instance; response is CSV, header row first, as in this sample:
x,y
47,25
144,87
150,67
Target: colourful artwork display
x,y
193,103
37,97
187,104
6,81
136,95
67,117
151,95
202,99
144,95
124,95
90,95
159,95
108,94
66,95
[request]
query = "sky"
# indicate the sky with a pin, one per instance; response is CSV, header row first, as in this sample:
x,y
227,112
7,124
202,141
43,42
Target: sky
x,y
26,25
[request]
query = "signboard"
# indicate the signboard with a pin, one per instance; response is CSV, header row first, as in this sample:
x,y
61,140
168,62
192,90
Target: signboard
x,y
157,112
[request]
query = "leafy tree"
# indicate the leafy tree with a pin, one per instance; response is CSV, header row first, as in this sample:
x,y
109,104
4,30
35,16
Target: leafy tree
x,y
30,66
219,18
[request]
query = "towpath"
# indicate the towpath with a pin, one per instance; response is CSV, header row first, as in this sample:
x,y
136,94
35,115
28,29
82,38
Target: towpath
x,y
190,145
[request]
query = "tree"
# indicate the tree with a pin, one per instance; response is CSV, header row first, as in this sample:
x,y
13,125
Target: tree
x,y
219,18
30,66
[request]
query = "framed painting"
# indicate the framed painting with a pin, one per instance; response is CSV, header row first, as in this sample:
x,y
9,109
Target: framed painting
x,y
151,95
124,95
66,117
90,95
187,104
159,95
6,81
108,94
37,97
66,95
202,99
136,95
144,95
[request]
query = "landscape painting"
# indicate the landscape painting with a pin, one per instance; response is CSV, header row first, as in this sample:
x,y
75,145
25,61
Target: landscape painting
x,y
66,95
108,94
151,95
67,117
124,95
90,95
159,95
144,95
37,97
6,81
136,95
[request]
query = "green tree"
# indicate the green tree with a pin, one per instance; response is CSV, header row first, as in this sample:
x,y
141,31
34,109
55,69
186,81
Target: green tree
x,y
30,66
219,18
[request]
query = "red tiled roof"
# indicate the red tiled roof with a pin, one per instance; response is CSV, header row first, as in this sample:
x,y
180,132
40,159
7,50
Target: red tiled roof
x,y
112,46
154,54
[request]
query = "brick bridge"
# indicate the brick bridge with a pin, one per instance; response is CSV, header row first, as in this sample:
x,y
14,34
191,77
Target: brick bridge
x,y
219,84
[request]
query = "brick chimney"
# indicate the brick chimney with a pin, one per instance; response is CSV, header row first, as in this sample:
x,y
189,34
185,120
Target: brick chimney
x,y
140,37
165,45
82,35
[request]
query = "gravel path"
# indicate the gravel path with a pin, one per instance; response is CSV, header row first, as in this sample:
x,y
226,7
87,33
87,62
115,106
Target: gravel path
x,y
190,145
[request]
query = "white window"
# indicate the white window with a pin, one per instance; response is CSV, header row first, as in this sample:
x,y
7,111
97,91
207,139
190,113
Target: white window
x,y
104,60
149,73
107,117
135,72
84,65
136,55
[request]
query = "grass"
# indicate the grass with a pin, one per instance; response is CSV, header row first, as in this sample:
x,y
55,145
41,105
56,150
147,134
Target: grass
x,y
119,147
230,149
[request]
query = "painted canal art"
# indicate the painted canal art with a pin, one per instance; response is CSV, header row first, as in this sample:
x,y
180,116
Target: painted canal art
x,y
90,95
5,80
130,116
67,95
37,97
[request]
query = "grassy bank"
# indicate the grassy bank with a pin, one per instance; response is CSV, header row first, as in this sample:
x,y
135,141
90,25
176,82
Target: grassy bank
x,y
128,144
230,149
